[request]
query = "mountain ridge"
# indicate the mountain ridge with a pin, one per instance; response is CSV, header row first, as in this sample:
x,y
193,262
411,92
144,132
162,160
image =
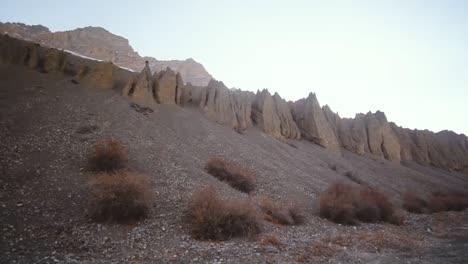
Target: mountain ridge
x,y
367,134
100,43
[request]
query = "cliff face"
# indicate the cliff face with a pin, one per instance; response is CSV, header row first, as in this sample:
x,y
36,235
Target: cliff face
x,y
366,134
97,42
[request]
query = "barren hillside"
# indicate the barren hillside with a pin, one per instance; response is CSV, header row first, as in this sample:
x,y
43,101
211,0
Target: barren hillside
x,y
55,106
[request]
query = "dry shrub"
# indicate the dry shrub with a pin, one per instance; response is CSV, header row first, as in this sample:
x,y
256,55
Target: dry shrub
x,y
320,249
345,204
449,201
271,240
373,206
436,202
283,213
119,196
210,217
375,240
414,203
337,204
237,176
108,155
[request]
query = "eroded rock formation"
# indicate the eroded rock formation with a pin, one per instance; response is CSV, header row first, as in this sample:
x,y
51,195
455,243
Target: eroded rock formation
x,y
140,88
273,116
97,42
313,124
165,87
225,106
366,134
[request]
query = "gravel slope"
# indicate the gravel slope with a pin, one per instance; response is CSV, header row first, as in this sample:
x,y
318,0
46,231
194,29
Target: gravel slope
x,y
43,180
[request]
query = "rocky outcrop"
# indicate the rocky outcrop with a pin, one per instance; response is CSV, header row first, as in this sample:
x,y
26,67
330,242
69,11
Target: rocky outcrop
x,y
183,91
190,70
369,134
140,88
166,83
164,87
273,115
313,124
97,42
225,106
353,134
444,149
96,73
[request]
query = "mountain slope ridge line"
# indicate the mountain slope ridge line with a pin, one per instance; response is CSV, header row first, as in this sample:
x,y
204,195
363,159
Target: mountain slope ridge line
x,y
99,43
365,134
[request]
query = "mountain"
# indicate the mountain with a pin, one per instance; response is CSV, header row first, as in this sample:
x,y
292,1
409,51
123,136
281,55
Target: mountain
x,y
367,134
97,42
55,106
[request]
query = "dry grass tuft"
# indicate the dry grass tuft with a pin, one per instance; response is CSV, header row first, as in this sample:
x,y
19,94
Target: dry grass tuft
x,y
270,240
449,201
236,175
436,202
108,155
119,196
414,203
345,204
210,217
320,249
283,213
337,204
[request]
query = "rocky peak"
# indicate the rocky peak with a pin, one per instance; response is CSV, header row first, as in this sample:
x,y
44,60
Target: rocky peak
x,y
99,43
313,124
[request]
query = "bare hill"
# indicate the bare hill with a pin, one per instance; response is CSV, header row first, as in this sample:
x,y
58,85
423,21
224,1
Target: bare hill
x,y
54,106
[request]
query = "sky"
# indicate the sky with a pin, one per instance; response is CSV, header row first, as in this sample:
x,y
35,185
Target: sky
x,y
407,58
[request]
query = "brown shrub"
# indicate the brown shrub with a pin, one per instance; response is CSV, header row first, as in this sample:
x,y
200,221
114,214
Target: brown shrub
x,y
270,240
373,206
108,155
320,249
342,203
436,202
283,213
210,217
450,201
237,176
414,203
337,204
119,196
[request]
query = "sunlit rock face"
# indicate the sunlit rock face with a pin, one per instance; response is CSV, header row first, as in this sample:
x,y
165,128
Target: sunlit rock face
x,y
366,134
98,43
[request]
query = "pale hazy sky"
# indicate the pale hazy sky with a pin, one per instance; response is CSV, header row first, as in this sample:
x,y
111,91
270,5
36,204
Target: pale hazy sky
x,y
407,58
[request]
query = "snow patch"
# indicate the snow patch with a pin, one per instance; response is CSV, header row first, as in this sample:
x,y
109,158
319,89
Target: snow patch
x,y
82,56
121,67
94,59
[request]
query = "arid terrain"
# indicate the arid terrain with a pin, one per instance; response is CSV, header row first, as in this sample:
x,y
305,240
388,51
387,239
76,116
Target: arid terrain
x,y
54,109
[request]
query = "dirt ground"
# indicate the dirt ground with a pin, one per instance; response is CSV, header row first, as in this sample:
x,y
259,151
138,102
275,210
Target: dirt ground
x,y
48,124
